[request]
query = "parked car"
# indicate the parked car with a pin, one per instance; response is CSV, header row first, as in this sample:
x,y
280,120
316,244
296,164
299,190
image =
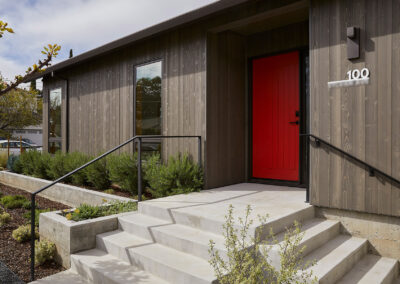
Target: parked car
x,y
15,146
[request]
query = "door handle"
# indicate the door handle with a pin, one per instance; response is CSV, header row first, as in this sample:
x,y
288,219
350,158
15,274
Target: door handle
x,y
294,122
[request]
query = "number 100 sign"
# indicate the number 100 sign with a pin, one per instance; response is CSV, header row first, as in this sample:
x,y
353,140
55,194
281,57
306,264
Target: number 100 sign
x,y
357,74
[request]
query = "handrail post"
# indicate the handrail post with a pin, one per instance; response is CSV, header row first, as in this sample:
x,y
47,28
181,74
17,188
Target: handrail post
x,y
139,166
199,151
33,236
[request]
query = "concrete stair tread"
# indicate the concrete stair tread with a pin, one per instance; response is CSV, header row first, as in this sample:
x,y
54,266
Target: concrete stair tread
x,y
311,228
192,234
105,268
121,238
64,277
336,257
177,261
372,269
145,220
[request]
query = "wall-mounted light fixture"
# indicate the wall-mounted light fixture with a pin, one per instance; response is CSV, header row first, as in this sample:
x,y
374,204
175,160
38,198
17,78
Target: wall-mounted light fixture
x,y
353,43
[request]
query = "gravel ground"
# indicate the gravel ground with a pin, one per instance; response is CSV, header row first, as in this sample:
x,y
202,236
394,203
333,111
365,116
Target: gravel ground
x,y
16,255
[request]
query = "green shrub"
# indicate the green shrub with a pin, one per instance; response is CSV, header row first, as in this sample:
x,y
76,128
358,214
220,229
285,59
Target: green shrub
x,y
14,164
23,233
27,205
97,175
4,218
57,166
179,175
44,251
42,166
86,211
247,258
73,161
27,215
123,171
13,201
3,159
29,160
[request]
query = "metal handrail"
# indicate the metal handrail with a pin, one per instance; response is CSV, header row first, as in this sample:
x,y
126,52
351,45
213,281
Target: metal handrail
x,y
139,138
373,171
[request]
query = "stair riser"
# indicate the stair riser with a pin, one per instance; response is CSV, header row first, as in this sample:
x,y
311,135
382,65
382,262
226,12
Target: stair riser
x,y
164,271
344,266
310,244
139,230
282,223
113,249
185,245
392,275
154,211
90,274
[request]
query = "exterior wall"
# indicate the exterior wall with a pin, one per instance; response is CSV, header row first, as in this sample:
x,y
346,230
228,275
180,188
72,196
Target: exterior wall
x,y
363,120
101,106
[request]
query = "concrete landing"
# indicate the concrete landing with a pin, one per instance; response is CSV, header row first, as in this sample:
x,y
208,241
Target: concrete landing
x,y
276,201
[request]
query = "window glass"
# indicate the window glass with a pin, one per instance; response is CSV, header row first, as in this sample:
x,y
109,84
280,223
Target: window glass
x,y
55,120
148,103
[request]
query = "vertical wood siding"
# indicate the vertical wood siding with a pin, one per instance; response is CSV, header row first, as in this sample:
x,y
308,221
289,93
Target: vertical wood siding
x,y
101,94
364,120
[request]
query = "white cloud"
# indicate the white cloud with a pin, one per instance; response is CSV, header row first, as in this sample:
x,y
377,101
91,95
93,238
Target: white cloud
x,y
77,24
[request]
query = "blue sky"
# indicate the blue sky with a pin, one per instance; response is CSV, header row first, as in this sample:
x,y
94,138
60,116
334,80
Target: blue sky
x,y
77,24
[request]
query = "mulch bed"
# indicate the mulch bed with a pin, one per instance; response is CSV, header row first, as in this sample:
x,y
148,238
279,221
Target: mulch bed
x,y
16,255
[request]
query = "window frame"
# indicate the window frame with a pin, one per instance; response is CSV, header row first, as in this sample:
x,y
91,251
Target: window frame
x,y
54,139
134,90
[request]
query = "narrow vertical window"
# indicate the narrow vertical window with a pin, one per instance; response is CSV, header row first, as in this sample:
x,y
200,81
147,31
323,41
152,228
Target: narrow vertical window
x,y
148,103
55,142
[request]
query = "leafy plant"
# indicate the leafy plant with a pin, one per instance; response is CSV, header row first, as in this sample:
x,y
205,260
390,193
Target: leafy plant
x,y
123,171
247,256
23,233
14,164
97,175
3,159
27,215
4,217
42,165
29,161
44,251
13,201
57,166
73,161
179,175
86,211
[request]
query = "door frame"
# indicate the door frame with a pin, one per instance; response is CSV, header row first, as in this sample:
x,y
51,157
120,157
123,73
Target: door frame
x,y
304,122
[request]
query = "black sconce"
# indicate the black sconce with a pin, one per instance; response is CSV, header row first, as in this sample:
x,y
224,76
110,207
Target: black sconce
x,y
353,43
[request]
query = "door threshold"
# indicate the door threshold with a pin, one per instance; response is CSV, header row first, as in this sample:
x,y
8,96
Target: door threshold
x,y
277,182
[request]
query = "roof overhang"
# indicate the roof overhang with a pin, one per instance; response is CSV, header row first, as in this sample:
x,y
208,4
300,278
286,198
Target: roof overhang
x,y
189,17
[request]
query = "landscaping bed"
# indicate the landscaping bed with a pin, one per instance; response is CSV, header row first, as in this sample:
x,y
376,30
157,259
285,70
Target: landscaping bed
x,y
16,256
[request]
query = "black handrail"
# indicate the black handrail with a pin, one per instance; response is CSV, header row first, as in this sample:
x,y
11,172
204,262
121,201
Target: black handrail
x,y
373,171
139,138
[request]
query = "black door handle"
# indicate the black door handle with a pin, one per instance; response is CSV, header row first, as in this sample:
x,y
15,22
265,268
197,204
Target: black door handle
x,y
294,122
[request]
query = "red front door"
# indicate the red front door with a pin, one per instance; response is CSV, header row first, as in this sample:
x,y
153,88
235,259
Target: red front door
x,y
275,117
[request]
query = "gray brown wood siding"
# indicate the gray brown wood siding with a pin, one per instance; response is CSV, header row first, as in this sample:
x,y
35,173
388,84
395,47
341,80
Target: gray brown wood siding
x,y
364,120
101,93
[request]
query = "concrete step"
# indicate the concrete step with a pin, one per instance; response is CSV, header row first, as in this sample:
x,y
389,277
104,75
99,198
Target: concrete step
x,y
118,242
172,265
336,258
98,267
316,233
140,224
189,240
372,269
64,277
207,221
